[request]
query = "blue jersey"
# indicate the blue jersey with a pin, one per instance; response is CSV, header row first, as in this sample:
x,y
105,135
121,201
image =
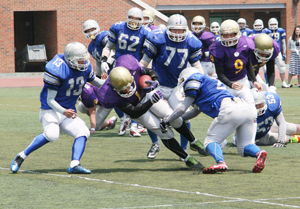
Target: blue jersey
x,y
245,32
255,32
208,93
128,41
169,57
265,121
66,81
217,36
278,35
96,46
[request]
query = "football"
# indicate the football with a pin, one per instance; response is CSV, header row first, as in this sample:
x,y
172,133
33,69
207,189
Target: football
x,y
142,80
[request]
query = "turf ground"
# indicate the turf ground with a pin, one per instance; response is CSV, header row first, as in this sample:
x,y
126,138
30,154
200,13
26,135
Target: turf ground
x,y
123,177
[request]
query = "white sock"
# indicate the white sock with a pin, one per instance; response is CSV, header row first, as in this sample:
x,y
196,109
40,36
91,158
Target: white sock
x,y
22,154
74,163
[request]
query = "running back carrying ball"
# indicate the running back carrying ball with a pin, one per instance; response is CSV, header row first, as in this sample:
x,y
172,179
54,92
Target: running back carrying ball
x,y
142,82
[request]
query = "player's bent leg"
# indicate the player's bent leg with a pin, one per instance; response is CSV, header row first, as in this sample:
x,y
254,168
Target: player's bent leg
x,y
216,152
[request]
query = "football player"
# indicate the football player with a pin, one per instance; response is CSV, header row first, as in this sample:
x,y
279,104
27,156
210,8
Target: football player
x,y
269,109
64,77
258,28
88,105
170,52
265,53
198,26
128,38
215,29
245,31
91,30
145,105
278,34
149,18
229,114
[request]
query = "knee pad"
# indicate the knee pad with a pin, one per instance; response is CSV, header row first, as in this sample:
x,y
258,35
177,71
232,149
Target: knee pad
x,y
51,132
84,131
176,123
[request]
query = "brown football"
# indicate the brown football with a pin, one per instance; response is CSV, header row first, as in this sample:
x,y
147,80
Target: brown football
x,y
142,80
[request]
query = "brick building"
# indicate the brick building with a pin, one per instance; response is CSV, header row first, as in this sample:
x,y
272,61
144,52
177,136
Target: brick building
x,y
56,23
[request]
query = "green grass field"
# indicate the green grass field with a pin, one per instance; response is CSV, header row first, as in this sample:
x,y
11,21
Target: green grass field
x,y
123,177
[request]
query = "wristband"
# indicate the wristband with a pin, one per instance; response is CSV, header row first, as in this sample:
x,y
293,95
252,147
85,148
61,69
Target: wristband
x,y
93,129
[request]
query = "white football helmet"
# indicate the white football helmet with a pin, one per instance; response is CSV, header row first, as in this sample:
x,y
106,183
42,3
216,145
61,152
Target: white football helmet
x,y
259,98
198,28
122,82
230,27
258,25
89,24
77,56
185,74
263,47
150,15
242,23
177,21
163,27
214,27
134,24
273,23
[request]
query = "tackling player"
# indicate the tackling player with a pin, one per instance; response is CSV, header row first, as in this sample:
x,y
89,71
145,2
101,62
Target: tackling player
x,y
229,114
146,106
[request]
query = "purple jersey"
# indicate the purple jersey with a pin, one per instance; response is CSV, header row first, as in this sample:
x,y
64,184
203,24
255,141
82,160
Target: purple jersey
x,y
257,65
152,27
207,38
88,96
234,59
109,98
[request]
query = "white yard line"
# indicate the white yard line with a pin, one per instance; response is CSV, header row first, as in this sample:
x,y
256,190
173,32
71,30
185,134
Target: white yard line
x,y
231,199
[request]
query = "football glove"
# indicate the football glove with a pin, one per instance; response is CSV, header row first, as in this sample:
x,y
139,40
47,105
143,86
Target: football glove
x,y
156,96
164,125
283,57
278,145
152,85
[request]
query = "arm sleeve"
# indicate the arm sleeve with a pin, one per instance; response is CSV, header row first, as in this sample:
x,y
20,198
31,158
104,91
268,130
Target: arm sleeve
x,y
283,46
281,127
190,114
137,111
97,82
222,77
250,70
271,72
52,103
198,65
108,47
181,108
145,60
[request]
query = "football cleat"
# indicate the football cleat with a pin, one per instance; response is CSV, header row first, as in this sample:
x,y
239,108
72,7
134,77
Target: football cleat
x,y
284,85
220,167
198,146
141,128
194,164
113,124
153,151
78,170
260,162
16,163
124,123
134,132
